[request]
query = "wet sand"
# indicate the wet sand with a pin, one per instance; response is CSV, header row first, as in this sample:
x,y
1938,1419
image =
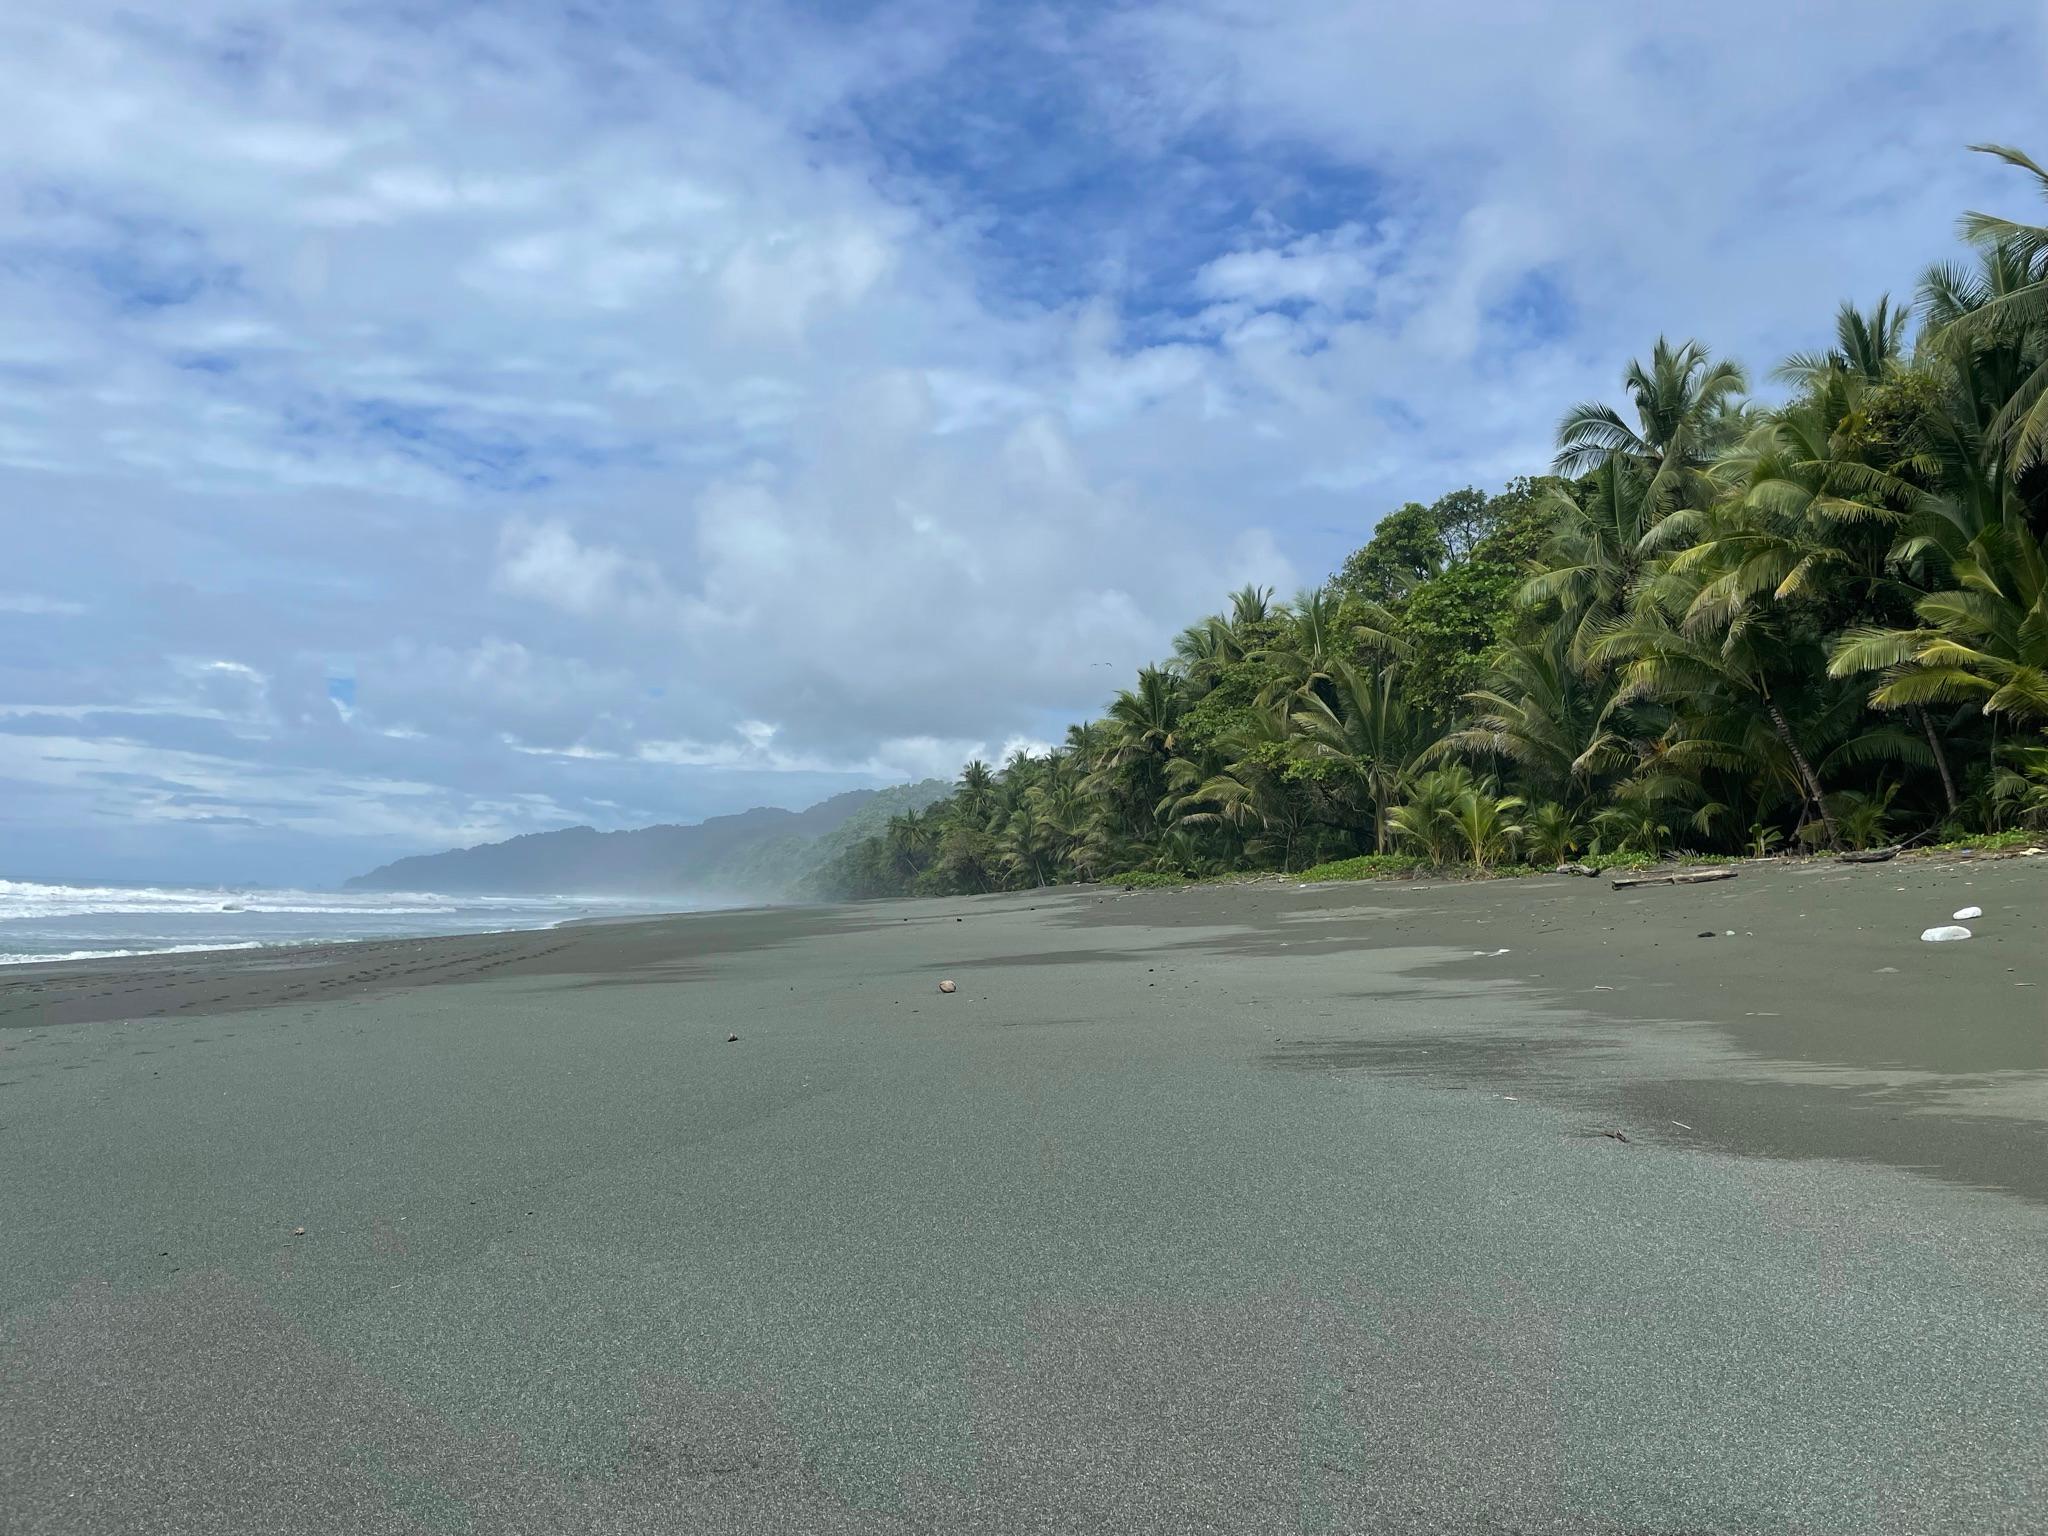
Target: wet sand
x,y
1237,1209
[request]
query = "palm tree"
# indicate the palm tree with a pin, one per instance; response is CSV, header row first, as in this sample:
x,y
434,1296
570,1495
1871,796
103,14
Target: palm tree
x,y
1250,605
1811,520
1802,514
1427,820
1866,346
1668,651
912,837
1543,714
1369,731
1599,550
1311,637
1143,731
977,789
1144,722
2020,312
969,854
1203,650
1482,819
1638,820
1086,743
1685,410
1984,642
1250,794
1027,845
1553,833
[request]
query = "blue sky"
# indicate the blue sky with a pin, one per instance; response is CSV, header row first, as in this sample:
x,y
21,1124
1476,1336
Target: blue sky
x,y
420,425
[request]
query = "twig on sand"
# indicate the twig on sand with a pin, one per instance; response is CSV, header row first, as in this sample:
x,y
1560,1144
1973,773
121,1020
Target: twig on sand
x,y
1681,877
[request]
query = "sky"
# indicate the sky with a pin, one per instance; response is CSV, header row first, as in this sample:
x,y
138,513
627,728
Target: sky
x,y
424,424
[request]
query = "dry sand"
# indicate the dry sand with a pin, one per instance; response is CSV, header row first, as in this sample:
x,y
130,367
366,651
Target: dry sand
x,y
1238,1209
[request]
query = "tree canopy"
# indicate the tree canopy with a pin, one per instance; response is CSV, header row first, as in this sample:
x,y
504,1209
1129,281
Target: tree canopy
x,y
1719,623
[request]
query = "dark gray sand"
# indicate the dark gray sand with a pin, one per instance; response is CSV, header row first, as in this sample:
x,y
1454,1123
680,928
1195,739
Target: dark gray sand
x,y
1236,1210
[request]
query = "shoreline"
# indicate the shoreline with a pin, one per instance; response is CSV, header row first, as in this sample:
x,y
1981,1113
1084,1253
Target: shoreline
x,y
1603,994
1526,1196
90,957
1419,877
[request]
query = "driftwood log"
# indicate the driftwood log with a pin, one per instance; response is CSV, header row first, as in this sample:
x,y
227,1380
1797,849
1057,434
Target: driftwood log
x,y
1682,877
1870,855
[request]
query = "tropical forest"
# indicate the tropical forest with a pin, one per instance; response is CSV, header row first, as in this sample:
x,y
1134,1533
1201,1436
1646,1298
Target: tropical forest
x,y
1734,617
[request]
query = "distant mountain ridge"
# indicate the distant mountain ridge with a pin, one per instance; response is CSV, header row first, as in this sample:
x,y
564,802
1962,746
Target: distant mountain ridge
x,y
765,854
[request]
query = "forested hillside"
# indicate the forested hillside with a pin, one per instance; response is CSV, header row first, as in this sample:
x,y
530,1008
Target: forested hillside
x,y
1809,612
766,854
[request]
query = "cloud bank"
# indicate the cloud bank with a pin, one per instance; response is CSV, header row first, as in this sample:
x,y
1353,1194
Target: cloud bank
x,y
418,430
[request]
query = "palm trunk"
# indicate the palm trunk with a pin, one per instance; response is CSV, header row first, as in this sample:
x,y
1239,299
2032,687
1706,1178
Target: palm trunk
x,y
1948,783
1807,776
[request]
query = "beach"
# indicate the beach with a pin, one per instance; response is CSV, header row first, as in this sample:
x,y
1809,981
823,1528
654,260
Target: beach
x,y
1524,1205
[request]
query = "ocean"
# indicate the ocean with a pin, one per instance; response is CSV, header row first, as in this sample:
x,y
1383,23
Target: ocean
x,y
84,922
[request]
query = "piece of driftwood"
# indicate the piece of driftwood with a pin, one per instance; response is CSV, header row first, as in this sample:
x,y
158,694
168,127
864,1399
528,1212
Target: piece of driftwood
x,y
1682,877
1869,855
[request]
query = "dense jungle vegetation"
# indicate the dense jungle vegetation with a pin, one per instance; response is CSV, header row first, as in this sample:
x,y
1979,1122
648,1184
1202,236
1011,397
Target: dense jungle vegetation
x,y
1717,624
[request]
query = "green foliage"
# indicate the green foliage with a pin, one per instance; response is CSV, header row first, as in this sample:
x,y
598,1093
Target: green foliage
x,y
1366,866
1452,622
1733,628
1553,835
1407,547
1994,842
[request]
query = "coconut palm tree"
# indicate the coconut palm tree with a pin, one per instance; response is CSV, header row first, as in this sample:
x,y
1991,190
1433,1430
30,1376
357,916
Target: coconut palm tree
x,y
1422,822
1085,744
1602,544
1251,605
2019,313
1201,652
1866,346
977,790
1249,795
1028,846
1484,821
1311,637
912,838
1669,650
1143,731
1801,513
970,855
1686,410
1369,731
1552,833
1548,718
1985,641
1144,722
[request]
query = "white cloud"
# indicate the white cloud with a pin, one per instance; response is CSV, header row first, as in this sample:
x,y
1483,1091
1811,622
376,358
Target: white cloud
x,y
544,561
1328,267
583,402
142,783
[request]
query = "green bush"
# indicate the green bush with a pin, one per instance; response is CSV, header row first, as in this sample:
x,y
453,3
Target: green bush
x,y
1367,866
